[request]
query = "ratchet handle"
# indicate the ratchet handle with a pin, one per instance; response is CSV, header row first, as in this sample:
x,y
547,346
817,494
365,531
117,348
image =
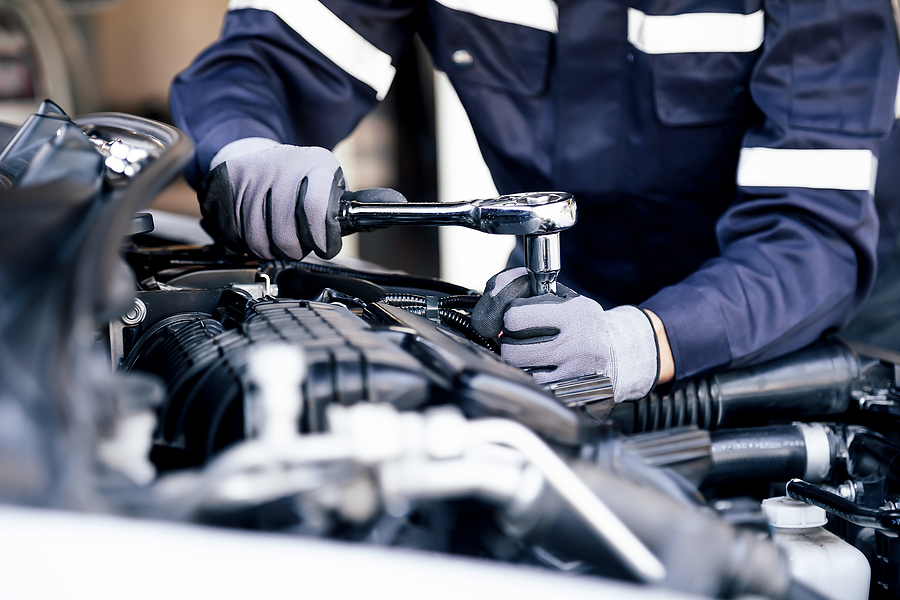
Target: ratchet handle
x,y
530,213
356,216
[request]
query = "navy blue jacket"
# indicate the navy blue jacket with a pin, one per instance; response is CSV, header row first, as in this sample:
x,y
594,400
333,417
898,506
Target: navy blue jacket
x,y
722,152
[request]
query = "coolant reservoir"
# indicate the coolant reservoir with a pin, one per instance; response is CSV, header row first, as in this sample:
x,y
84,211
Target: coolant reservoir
x,y
818,558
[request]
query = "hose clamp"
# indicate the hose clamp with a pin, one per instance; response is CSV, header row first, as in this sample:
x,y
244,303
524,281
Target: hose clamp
x,y
432,309
819,455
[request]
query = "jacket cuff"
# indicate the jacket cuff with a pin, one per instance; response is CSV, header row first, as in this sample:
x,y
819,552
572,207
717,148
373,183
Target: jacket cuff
x,y
696,334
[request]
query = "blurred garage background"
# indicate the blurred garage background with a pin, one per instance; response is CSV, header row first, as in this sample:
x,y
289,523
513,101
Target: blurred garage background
x,y
120,55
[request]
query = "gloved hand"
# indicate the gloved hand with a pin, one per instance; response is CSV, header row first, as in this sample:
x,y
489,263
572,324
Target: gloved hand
x,y
564,335
277,201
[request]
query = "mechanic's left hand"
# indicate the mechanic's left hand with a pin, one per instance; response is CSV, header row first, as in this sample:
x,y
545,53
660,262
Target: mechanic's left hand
x,y
564,335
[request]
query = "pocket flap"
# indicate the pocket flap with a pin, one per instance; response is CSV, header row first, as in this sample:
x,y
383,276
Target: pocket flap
x,y
496,54
701,88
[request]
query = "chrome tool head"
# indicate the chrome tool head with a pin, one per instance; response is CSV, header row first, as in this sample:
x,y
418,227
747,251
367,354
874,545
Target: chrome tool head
x,y
532,213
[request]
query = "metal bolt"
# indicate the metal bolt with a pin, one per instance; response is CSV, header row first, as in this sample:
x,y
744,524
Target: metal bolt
x,y
847,491
135,314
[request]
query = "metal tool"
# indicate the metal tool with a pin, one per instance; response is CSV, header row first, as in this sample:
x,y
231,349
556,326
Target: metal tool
x,y
537,216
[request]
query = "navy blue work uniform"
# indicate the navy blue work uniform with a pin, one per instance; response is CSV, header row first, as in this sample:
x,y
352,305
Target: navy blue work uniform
x,y
722,152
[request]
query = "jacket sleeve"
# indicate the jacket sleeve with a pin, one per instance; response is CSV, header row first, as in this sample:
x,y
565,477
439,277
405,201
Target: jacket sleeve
x,y
299,72
797,245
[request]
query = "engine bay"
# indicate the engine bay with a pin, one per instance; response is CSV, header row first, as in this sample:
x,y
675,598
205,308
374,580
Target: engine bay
x,y
152,379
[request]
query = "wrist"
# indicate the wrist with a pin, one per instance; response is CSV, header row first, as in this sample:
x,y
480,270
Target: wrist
x,y
666,360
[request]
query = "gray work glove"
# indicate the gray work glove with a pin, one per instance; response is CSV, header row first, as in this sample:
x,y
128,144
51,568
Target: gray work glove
x,y
277,201
564,335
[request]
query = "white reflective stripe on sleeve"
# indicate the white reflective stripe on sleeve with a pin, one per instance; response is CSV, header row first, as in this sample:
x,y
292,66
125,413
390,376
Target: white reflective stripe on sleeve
x,y
820,169
695,32
538,14
333,38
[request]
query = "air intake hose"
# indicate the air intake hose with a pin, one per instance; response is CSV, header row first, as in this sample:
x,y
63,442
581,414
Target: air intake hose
x,y
777,452
813,382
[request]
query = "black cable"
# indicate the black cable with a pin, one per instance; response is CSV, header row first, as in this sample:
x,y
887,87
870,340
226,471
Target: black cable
x,y
463,323
849,511
458,322
403,300
396,279
468,301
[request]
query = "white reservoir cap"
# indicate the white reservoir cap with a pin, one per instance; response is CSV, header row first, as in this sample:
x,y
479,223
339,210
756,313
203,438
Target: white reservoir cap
x,y
792,514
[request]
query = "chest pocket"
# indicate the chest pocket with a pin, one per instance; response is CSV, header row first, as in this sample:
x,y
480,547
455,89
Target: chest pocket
x,y
495,54
700,62
701,89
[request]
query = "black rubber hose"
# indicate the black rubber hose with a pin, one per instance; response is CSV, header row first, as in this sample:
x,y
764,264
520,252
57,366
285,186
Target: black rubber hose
x,y
813,382
458,322
458,301
394,279
443,302
417,305
843,508
404,300
463,324
303,284
777,452
693,404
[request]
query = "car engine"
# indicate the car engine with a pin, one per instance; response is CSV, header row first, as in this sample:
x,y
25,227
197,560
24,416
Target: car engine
x,y
315,412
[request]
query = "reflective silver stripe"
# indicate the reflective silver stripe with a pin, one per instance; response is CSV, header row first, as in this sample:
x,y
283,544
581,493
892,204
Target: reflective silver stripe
x,y
819,169
695,32
333,38
538,14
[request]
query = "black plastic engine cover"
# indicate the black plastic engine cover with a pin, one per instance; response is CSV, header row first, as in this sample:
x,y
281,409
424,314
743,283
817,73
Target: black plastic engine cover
x,y
204,366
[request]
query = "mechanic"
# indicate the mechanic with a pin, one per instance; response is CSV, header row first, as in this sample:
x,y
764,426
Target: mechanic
x,y
722,154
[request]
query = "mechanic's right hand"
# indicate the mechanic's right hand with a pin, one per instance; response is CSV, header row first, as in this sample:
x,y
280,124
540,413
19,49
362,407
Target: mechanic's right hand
x,y
277,201
564,335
